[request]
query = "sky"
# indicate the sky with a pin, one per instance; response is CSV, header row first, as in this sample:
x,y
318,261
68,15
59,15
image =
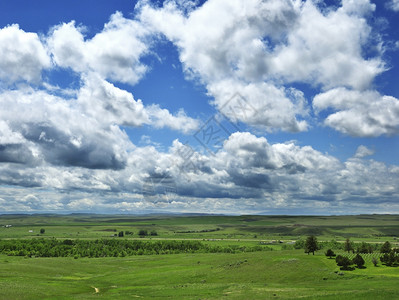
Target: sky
x,y
217,107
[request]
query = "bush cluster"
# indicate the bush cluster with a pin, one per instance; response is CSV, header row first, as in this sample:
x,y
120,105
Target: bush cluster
x,y
345,263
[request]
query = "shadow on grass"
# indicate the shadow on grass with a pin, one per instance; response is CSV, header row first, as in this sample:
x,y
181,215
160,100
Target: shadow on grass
x,y
347,268
392,265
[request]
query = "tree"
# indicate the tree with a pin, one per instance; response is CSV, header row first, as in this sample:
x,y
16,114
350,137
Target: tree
x,y
68,242
311,244
390,258
299,244
120,234
358,261
364,248
333,244
42,231
374,261
343,261
143,233
348,245
153,233
330,253
386,247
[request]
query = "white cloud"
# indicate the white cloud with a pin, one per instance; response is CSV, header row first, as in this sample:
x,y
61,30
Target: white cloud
x,y
251,151
326,48
393,4
23,56
161,117
38,128
220,43
359,113
282,173
102,100
111,105
271,176
114,53
54,140
54,130
82,204
261,104
7,136
258,47
363,151
32,202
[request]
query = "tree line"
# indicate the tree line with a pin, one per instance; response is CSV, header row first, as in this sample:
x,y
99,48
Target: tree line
x,y
112,247
390,255
348,246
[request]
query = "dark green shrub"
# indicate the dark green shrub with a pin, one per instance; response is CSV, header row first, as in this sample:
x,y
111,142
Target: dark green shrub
x,y
330,253
358,261
343,262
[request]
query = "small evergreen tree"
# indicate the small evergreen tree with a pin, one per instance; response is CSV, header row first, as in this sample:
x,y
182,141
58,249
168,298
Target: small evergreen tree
x,y
386,247
120,234
364,248
330,253
143,233
42,231
348,245
358,261
390,258
343,262
374,261
311,244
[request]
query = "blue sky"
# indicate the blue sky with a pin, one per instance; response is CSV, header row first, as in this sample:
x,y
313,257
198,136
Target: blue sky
x,y
214,106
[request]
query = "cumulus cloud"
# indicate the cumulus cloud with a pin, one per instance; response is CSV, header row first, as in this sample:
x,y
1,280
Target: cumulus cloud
x,y
326,48
280,175
161,117
393,4
104,53
38,127
82,204
257,48
247,165
7,136
359,113
69,152
363,151
214,43
102,100
23,56
261,104
51,129
244,150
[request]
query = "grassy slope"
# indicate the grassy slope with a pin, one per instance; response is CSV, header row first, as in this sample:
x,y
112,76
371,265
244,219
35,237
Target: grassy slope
x,y
259,275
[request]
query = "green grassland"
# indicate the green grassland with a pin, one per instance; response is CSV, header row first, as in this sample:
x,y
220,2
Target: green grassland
x,y
359,228
256,275
277,274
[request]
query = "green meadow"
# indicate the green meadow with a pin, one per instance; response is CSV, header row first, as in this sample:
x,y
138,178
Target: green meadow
x,y
281,272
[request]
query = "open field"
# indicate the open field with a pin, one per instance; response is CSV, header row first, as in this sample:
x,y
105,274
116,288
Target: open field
x,y
276,274
257,275
373,228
